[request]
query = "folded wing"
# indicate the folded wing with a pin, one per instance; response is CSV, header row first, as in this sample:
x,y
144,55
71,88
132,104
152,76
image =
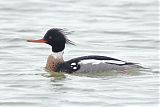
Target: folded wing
x,y
94,63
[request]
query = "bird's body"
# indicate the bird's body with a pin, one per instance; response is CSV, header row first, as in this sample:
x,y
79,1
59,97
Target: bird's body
x,y
93,63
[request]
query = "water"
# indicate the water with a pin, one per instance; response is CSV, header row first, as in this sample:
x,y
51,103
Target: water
x,y
124,29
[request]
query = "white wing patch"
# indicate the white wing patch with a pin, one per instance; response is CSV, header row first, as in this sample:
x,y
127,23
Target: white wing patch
x,y
74,67
73,63
94,61
115,62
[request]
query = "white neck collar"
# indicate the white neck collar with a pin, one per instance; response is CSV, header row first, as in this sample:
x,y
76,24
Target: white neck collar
x,y
57,55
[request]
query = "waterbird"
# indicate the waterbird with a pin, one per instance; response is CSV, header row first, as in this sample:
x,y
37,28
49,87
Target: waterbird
x,y
57,39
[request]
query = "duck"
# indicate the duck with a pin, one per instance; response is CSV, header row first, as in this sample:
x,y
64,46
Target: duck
x,y
57,39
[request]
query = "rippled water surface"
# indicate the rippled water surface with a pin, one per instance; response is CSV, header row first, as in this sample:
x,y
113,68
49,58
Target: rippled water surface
x,y
124,29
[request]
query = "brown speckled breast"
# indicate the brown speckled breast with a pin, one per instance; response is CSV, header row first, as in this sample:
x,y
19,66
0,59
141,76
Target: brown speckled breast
x,y
52,63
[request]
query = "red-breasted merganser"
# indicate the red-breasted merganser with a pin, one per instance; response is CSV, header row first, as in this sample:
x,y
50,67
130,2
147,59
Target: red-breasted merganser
x,y
57,39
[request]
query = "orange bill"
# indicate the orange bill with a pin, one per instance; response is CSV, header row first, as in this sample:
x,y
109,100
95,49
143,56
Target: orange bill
x,y
38,41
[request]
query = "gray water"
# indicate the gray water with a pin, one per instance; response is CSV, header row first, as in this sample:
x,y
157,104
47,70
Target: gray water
x,y
124,29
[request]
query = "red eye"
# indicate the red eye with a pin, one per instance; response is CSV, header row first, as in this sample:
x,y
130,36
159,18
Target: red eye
x,y
50,37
